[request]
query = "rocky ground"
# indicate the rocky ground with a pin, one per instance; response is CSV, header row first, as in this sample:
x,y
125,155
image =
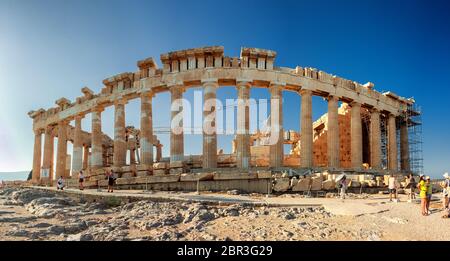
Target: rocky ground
x,y
29,214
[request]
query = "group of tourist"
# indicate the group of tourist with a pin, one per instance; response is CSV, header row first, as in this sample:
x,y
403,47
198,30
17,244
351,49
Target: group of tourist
x,y
425,189
109,175
424,186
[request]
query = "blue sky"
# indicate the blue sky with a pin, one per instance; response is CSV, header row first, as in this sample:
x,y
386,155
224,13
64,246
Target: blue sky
x,y
51,49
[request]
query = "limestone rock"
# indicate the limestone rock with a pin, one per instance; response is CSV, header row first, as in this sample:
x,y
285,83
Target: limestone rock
x,y
159,165
281,184
302,184
159,172
264,174
177,164
316,183
328,185
176,170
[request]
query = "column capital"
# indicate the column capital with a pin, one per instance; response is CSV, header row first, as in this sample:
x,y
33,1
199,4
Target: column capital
x,y
374,110
277,84
49,129
63,122
79,116
179,87
355,104
305,92
210,81
120,101
246,84
275,88
332,97
38,131
390,114
148,93
97,108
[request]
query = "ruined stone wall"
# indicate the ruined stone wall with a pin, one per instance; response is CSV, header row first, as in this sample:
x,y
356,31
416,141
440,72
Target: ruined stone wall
x,y
320,139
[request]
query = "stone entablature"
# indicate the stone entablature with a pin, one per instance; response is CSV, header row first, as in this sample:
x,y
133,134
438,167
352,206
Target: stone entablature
x,y
130,85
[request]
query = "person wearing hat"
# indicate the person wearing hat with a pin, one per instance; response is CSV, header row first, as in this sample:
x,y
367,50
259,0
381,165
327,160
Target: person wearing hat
x,y
429,192
445,191
423,195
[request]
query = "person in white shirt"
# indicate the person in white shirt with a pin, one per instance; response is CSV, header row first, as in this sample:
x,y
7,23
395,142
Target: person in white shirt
x,y
81,179
392,187
445,191
60,184
343,186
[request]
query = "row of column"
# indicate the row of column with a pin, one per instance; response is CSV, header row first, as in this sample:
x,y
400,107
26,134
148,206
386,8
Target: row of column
x,y
210,136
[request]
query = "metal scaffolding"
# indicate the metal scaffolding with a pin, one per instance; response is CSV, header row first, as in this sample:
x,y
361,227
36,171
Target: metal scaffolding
x,y
384,141
414,117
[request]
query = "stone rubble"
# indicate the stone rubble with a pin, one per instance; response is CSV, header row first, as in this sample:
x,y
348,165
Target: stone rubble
x,y
56,217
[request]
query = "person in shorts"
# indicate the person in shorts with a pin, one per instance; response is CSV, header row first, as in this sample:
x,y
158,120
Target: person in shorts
x,y
429,193
411,187
81,179
392,187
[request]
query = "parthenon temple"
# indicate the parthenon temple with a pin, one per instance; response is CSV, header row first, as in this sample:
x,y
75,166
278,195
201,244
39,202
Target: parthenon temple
x,y
363,132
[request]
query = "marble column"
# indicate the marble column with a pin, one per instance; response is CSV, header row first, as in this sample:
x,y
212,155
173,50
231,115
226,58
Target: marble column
x,y
306,134
47,162
276,122
37,155
61,153
176,129
77,161
392,144
158,152
333,133
85,157
375,139
146,139
356,135
404,146
132,157
120,145
243,156
97,149
209,124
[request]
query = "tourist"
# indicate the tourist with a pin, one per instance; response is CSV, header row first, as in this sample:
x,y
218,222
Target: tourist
x,y
423,195
343,186
429,193
60,183
81,179
110,178
445,191
392,187
411,187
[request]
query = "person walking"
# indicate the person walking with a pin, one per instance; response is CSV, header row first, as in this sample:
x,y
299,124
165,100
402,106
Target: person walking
x,y
423,195
343,186
392,187
81,179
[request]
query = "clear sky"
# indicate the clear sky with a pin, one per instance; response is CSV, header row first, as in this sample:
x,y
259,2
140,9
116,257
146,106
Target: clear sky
x,y
51,49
